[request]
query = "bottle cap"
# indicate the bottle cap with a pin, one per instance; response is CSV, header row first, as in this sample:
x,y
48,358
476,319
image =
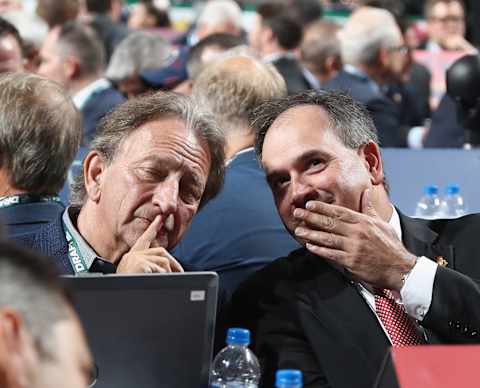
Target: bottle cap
x,y
288,378
452,188
238,336
431,189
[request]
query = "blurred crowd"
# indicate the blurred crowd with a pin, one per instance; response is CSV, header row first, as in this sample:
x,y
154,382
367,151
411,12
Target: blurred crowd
x,y
106,51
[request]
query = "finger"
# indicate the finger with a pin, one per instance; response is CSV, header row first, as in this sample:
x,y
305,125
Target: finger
x,y
147,237
334,211
163,253
334,255
367,205
317,221
152,268
319,238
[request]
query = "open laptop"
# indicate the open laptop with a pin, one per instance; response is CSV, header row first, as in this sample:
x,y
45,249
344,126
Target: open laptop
x,y
149,331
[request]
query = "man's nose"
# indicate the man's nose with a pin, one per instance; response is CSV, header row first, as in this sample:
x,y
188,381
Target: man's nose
x,y
166,195
302,192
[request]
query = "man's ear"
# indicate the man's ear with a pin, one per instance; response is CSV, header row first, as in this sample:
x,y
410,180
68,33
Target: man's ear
x,y
94,167
71,67
16,352
370,152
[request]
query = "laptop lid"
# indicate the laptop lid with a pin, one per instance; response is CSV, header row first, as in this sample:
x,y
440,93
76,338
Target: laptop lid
x,y
149,331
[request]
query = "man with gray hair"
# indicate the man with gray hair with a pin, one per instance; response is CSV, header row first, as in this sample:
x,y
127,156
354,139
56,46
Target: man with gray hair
x,y
367,277
374,55
42,343
154,162
40,132
73,55
138,52
238,232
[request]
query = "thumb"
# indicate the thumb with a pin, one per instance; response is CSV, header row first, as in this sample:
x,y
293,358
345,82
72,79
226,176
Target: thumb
x,y
145,240
367,205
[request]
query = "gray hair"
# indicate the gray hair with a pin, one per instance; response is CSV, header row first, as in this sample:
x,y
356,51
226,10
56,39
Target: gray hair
x,y
29,286
125,119
81,41
220,11
139,51
232,86
366,32
348,120
40,132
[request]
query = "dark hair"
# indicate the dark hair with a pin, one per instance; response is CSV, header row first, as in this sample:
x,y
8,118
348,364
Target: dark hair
x,y
58,12
349,119
307,11
161,16
30,286
40,132
98,6
223,41
82,41
7,28
283,24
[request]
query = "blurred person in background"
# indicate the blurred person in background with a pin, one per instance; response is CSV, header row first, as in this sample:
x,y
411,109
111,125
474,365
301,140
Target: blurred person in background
x,y
146,15
239,231
374,56
42,343
274,36
11,48
73,55
306,11
104,16
205,51
446,26
138,52
320,52
56,13
154,162
10,5
40,132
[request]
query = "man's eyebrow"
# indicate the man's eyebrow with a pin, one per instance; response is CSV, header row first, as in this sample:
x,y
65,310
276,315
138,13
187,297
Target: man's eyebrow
x,y
298,160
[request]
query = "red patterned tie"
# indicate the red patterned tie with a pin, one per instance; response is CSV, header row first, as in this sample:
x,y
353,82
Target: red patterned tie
x,y
399,325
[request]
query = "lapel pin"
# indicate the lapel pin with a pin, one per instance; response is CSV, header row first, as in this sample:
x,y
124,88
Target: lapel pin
x,y
441,261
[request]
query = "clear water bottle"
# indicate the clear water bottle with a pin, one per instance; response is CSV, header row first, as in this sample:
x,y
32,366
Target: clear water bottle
x,y
288,378
429,205
453,204
235,366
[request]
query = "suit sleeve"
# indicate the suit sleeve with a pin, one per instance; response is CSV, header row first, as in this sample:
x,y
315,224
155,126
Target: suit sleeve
x,y
454,314
279,342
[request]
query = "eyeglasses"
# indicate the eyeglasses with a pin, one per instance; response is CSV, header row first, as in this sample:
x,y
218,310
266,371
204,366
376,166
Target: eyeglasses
x,y
402,49
448,19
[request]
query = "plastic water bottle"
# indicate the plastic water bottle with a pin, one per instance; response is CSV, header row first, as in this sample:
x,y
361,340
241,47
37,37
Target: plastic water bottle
x,y
235,366
453,205
429,205
288,378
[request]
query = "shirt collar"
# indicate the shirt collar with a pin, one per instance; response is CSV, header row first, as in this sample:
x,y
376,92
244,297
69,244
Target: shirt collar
x,y
245,150
348,68
276,56
69,217
81,97
395,223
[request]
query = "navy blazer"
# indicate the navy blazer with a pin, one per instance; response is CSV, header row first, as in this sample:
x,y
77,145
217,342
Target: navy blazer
x,y
445,130
291,71
385,114
97,106
237,232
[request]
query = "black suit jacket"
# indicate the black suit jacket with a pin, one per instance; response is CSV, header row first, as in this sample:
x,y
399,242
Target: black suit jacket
x,y
292,73
305,314
385,113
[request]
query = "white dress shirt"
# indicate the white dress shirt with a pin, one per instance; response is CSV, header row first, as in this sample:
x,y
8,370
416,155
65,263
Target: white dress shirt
x,y
416,293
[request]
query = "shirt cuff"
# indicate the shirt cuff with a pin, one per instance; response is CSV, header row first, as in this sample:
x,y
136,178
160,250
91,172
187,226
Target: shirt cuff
x,y
417,291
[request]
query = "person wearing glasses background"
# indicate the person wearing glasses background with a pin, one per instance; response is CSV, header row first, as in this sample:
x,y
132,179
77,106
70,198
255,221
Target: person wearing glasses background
x,y
42,343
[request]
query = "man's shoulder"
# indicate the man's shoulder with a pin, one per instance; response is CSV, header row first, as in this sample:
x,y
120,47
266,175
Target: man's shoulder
x,y
356,86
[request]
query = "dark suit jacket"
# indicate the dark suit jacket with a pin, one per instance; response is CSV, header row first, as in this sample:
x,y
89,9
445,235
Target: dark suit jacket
x,y
445,131
239,231
29,217
305,314
292,73
49,240
385,113
97,106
